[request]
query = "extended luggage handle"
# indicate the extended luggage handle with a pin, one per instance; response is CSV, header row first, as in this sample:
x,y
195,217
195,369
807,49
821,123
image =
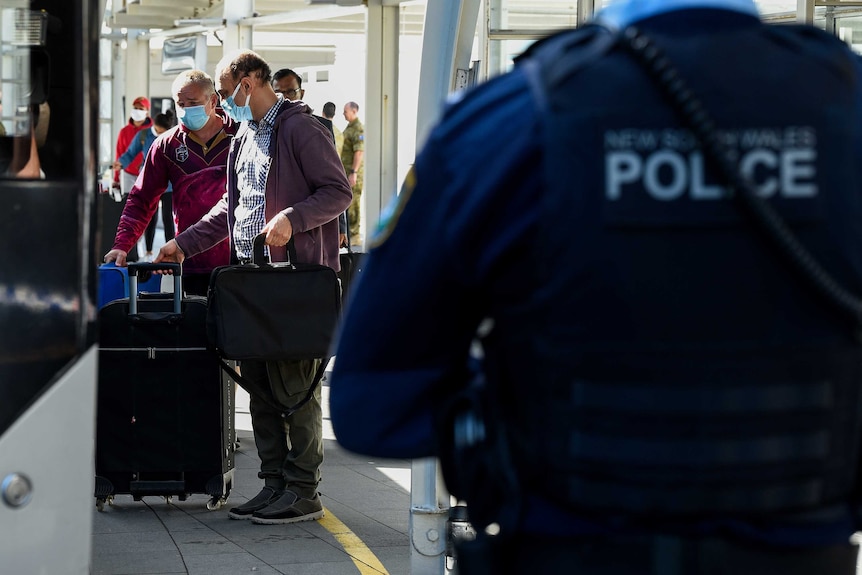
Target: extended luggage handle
x,y
258,257
174,268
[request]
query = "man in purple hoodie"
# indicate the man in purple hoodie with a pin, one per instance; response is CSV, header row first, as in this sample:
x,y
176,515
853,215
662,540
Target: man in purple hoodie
x,y
285,180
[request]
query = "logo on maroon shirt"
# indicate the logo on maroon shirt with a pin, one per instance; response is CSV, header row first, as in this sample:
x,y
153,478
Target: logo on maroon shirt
x,y
182,153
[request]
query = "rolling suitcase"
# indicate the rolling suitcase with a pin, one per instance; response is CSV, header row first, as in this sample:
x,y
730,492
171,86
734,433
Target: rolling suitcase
x,y
352,263
165,419
351,266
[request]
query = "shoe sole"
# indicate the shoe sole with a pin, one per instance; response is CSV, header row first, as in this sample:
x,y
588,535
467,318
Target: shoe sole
x,y
233,515
281,521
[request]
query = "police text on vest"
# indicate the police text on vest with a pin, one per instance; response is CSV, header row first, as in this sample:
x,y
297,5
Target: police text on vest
x,y
668,165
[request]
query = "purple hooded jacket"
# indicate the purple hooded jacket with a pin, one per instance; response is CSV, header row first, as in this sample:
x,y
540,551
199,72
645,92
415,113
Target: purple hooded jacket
x,y
305,174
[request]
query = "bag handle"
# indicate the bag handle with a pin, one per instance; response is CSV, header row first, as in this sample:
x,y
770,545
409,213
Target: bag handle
x,y
258,257
674,87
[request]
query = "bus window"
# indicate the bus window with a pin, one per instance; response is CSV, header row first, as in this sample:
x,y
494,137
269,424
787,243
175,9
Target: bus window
x,y
24,77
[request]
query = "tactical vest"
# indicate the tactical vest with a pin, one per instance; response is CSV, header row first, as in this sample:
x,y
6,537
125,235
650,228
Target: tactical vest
x,y
681,367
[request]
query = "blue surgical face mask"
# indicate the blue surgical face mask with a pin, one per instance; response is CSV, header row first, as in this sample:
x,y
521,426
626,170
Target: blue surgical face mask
x,y
193,117
238,113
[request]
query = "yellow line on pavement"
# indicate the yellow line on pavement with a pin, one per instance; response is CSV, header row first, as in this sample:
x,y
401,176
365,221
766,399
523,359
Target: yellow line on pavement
x,y
363,558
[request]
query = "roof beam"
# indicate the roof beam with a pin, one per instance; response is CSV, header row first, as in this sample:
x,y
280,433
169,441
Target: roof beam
x,y
175,11
175,3
297,16
124,20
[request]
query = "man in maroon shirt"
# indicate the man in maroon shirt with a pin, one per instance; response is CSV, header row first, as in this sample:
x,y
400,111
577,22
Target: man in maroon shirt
x,y
192,157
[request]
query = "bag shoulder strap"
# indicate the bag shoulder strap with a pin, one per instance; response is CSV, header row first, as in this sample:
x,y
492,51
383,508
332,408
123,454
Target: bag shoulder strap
x,y
284,412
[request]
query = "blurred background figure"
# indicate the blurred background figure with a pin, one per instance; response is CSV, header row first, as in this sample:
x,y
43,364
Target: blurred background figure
x,y
329,114
139,119
140,147
352,151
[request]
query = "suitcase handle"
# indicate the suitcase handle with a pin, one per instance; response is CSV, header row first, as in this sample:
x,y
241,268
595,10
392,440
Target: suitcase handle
x,y
176,269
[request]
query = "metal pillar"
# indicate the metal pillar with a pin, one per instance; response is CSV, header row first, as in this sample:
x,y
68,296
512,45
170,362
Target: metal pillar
x,y
429,511
238,36
381,116
496,18
119,113
130,54
586,9
805,11
137,81
447,43
446,47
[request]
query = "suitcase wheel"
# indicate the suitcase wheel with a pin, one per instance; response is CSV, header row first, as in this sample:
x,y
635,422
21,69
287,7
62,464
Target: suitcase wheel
x,y
216,503
100,502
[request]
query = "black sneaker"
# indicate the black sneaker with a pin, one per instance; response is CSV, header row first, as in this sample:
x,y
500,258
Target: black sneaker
x,y
289,508
266,496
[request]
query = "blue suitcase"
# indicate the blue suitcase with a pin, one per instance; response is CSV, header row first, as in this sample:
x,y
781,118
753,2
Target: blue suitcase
x,y
114,284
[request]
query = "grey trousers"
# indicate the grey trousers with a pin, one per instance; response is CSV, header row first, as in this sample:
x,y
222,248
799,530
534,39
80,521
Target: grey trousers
x,y
291,450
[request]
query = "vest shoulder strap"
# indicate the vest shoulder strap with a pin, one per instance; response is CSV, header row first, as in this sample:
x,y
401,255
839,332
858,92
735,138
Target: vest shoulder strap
x,y
552,60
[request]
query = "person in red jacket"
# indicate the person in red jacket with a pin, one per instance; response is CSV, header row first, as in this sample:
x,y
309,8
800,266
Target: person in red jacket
x,y
139,119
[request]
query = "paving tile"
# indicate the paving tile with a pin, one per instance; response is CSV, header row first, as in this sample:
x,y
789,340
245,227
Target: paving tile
x,y
228,564
346,567
296,551
133,542
204,542
162,562
394,559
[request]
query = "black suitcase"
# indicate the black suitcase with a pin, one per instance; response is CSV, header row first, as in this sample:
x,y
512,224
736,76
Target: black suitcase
x,y
351,266
112,209
165,420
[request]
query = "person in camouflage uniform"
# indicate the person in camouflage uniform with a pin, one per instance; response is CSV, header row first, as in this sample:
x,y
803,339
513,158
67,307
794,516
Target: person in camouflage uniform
x,y
352,152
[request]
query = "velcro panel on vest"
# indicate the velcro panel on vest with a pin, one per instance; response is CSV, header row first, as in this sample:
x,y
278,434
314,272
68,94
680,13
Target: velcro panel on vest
x,y
705,433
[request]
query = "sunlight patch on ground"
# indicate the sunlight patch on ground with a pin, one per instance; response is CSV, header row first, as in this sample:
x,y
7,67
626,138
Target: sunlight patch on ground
x,y
399,475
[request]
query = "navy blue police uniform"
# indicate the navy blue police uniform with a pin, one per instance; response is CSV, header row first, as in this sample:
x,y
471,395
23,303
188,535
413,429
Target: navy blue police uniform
x,y
670,396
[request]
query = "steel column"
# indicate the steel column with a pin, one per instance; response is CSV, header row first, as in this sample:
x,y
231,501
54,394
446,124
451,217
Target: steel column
x,y
805,11
446,47
238,36
381,116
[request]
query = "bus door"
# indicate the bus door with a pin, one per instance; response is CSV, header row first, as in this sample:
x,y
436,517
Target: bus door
x,y
48,102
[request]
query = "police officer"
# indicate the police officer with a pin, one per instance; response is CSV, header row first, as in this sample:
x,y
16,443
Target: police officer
x,y
659,390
